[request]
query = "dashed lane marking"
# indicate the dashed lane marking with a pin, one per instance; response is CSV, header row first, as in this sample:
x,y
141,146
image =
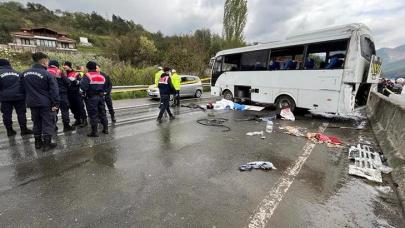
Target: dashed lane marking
x,y
270,203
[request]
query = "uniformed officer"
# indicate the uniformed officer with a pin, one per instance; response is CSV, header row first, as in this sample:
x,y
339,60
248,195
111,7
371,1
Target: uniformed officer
x,y
93,86
42,97
166,88
158,74
177,84
75,98
108,98
12,95
63,85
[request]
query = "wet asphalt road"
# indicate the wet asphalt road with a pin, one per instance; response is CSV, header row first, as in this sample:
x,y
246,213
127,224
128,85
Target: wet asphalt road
x,y
182,174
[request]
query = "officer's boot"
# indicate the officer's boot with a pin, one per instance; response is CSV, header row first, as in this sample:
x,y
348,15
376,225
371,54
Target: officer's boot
x,y
26,131
67,128
11,132
113,118
38,142
77,123
84,123
93,133
48,144
105,130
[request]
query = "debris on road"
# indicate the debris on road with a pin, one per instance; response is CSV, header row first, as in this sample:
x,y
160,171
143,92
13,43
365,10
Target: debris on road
x,y
194,106
255,133
226,104
299,132
385,169
215,122
366,163
384,189
286,114
264,165
319,138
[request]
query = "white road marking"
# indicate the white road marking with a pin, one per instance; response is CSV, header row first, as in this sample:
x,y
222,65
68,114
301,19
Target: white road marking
x,y
270,203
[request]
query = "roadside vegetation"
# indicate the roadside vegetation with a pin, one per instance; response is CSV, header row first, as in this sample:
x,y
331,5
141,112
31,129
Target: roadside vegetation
x,y
125,50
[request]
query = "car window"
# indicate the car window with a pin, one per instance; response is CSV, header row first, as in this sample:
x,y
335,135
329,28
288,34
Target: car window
x,y
183,79
191,79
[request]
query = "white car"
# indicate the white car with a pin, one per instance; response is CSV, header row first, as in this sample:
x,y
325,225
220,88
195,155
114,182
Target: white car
x,y
190,87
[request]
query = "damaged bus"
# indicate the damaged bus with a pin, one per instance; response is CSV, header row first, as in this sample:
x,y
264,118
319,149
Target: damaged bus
x,y
330,70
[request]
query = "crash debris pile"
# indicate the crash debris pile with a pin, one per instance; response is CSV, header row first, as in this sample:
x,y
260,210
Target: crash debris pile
x,y
366,163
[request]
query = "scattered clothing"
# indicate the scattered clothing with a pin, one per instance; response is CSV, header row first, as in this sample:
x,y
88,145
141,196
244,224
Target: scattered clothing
x,y
229,105
319,138
286,114
264,165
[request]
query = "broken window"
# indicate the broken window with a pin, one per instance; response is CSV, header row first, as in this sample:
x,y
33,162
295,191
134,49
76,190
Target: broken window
x,y
367,47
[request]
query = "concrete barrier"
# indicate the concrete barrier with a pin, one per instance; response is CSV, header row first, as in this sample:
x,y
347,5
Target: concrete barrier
x,y
387,119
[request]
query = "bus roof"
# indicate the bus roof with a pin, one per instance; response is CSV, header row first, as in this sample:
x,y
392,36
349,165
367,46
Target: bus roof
x,y
331,33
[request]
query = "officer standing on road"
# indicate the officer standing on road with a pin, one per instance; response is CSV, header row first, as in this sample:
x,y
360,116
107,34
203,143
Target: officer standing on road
x,y
12,95
165,89
63,85
42,97
177,84
157,75
108,98
74,96
93,86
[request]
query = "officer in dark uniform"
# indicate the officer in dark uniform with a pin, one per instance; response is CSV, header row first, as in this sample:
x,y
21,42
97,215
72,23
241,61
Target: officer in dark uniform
x,y
108,99
12,95
42,97
166,88
75,98
93,86
63,85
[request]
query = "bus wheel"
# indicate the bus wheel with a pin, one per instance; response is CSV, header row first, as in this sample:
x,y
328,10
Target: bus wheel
x,y
228,95
285,101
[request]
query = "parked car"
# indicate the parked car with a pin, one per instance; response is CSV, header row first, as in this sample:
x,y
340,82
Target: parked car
x,y
190,87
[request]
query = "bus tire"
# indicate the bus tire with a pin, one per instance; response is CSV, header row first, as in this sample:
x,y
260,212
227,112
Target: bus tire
x,y
285,100
227,95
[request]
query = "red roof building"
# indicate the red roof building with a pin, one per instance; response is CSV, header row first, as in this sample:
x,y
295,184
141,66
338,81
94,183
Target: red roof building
x,y
42,38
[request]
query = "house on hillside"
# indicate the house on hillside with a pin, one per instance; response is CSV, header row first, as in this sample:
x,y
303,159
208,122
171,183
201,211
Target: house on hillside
x,y
42,39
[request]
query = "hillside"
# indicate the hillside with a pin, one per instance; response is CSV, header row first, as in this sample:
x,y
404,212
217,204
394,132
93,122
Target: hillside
x,y
393,61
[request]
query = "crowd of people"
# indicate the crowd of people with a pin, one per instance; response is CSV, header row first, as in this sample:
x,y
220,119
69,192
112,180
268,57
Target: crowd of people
x,y
47,89
387,86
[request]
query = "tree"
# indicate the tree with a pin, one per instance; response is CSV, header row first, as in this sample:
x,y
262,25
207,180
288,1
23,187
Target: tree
x,y
235,16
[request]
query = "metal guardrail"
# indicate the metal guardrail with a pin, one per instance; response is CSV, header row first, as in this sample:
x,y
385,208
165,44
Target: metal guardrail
x,y
145,87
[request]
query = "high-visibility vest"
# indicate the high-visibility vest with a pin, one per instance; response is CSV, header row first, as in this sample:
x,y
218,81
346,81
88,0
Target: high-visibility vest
x,y
157,77
176,81
72,75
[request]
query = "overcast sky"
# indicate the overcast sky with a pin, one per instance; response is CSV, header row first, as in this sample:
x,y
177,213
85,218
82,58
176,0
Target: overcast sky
x,y
268,20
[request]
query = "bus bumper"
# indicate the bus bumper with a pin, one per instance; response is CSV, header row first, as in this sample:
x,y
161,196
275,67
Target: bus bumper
x,y
215,91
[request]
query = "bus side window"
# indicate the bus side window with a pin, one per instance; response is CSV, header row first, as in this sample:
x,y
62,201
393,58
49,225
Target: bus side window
x,y
289,58
231,63
326,55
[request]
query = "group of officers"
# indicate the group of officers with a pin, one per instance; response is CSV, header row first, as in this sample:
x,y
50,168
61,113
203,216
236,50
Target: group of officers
x,y
46,89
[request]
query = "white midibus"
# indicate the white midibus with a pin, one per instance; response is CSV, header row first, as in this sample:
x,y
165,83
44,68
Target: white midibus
x,y
329,70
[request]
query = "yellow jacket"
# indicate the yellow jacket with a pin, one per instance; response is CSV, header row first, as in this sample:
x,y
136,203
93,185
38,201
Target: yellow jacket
x,y
176,81
157,77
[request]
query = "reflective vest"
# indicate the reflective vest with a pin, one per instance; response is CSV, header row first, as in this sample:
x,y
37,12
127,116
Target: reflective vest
x,y
164,80
157,77
176,81
55,71
96,78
